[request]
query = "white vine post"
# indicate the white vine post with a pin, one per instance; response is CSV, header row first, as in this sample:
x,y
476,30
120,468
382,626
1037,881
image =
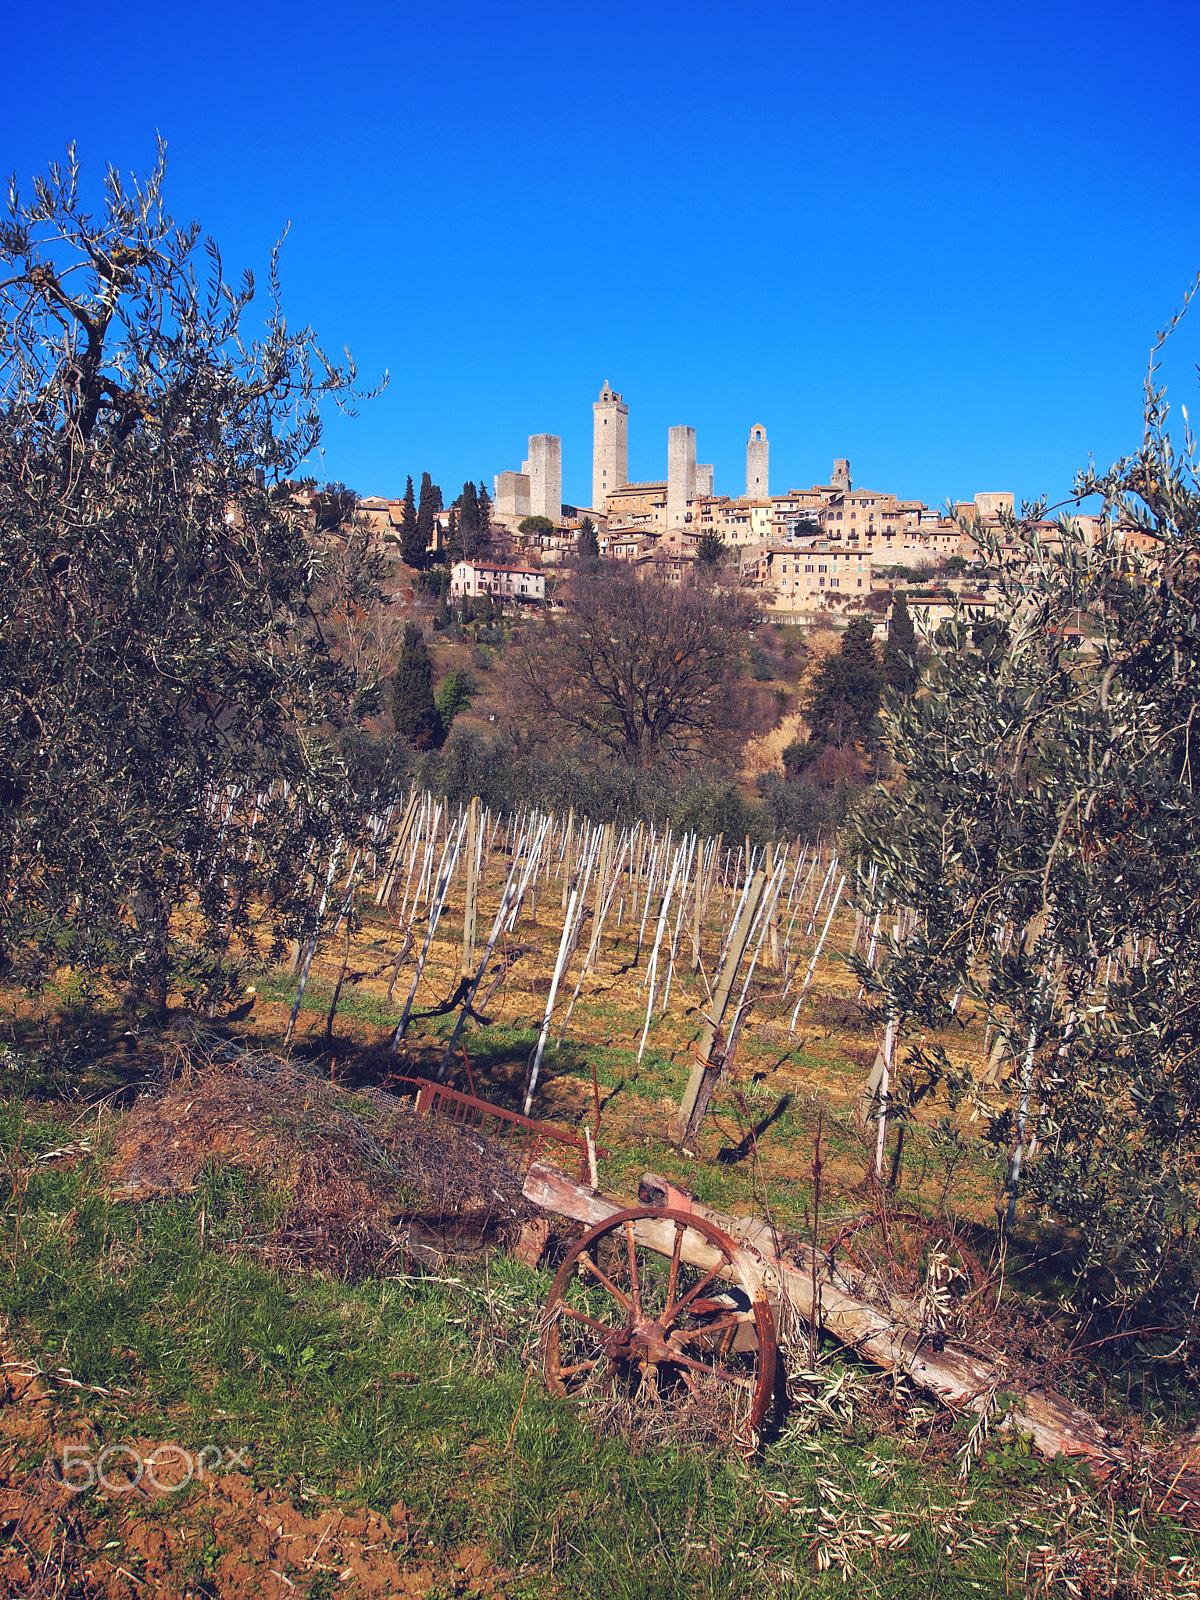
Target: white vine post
x,y
471,889
312,946
816,955
574,908
510,902
438,895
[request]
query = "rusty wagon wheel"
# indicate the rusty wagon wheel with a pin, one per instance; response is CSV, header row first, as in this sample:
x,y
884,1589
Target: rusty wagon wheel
x,y
897,1250
662,1309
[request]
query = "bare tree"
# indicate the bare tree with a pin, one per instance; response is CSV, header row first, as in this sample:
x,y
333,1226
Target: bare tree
x,y
647,670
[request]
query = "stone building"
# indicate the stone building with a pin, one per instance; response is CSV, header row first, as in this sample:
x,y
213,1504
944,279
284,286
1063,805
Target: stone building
x,y
535,491
639,505
809,573
681,474
610,445
757,463
510,497
544,470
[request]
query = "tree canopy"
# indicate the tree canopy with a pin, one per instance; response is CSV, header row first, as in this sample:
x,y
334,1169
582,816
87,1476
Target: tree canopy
x,y
412,540
900,649
843,704
429,503
1040,836
415,714
641,669
587,553
711,550
164,669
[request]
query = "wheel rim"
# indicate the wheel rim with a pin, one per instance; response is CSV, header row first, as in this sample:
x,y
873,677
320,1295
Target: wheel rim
x,y
661,1309
893,1252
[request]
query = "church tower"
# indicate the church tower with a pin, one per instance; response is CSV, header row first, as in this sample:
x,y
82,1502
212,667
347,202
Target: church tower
x,y
757,464
610,445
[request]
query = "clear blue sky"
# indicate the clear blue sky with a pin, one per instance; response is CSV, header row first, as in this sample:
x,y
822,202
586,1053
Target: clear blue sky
x,y
935,238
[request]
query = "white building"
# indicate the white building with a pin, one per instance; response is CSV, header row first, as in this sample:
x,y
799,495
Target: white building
x,y
478,578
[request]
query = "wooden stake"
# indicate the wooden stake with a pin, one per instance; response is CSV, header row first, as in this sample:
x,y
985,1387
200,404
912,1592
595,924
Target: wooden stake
x,y
707,1069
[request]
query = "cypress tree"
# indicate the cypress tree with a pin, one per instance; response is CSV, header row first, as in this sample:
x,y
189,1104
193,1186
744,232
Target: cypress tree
x,y
588,548
412,541
453,552
844,703
858,644
485,519
468,521
902,675
428,506
414,710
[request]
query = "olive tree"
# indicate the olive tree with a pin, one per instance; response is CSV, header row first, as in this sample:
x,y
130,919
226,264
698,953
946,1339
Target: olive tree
x,y
1045,835
165,670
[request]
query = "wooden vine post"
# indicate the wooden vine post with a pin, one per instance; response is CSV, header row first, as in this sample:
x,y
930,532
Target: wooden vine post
x,y
474,844
708,1067
388,876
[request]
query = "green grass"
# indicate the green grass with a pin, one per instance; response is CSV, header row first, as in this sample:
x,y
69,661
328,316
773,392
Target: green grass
x,y
420,1389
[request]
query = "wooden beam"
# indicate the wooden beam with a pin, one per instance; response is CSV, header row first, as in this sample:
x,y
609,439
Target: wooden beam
x,y
957,1379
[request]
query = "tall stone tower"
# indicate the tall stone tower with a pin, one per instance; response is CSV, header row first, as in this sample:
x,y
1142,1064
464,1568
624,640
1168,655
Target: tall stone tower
x,y
704,478
545,476
757,463
681,473
610,445
841,475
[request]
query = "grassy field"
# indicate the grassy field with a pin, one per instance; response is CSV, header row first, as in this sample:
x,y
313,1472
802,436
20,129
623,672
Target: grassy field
x,y
393,1436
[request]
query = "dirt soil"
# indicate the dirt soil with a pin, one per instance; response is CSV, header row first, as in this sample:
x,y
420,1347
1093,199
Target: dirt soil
x,y
220,1538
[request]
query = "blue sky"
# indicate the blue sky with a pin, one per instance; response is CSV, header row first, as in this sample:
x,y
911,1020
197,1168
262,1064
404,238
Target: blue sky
x,y
935,238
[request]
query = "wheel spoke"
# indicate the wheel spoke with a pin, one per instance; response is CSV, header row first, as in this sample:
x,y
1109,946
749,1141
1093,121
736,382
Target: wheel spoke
x,y
579,1366
696,1289
582,1316
680,1230
634,1288
713,1327
617,1294
713,1372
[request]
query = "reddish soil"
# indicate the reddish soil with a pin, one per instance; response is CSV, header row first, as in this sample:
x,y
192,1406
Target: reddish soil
x,y
223,1538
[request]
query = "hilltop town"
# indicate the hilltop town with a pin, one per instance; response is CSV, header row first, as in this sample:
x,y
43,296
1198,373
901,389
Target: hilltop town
x,y
814,552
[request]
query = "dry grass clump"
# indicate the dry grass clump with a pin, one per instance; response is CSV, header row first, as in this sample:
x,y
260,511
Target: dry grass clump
x,y
361,1180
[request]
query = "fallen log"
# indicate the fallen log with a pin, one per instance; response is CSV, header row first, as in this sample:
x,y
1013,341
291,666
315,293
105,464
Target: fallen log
x,y
964,1382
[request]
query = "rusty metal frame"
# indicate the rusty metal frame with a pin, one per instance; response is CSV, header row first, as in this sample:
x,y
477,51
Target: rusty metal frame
x,y
529,1136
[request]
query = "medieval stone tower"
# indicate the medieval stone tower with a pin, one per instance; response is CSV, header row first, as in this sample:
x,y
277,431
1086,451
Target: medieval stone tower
x,y
681,473
544,469
610,445
757,464
841,475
